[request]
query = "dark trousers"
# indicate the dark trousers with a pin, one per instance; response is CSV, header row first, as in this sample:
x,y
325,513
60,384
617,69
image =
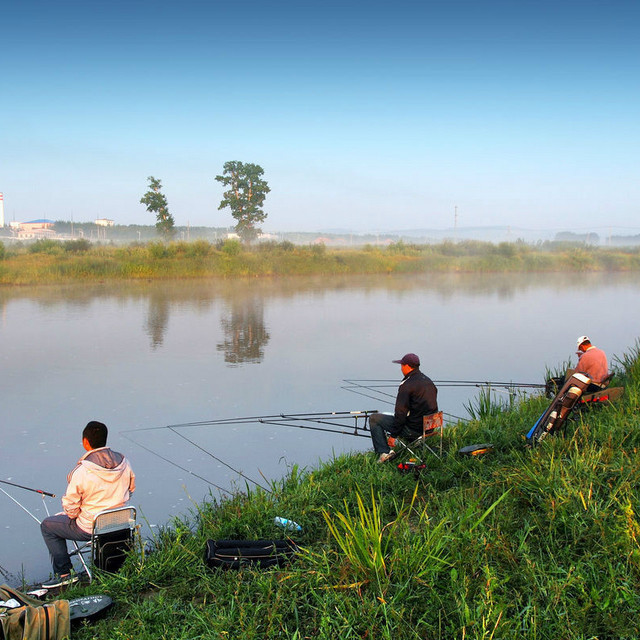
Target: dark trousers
x,y
56,530
379,424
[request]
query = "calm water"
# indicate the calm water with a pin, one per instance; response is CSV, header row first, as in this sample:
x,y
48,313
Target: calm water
x,y
145,355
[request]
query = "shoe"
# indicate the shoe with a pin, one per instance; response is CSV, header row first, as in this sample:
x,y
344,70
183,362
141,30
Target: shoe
x,y
60,581
88,608
386,456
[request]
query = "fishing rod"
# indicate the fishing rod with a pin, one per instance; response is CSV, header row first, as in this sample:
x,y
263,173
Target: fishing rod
x,y
327,418
255,419
286,423
40,491
318,415
381,396
375,384
197,446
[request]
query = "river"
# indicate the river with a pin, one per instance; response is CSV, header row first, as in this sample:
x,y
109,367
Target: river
x,y
145,355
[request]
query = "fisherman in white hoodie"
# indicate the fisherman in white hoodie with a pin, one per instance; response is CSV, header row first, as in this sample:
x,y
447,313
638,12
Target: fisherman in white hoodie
x,y
102,479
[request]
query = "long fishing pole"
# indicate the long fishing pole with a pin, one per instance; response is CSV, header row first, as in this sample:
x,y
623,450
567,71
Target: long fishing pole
x,y
471,383
251,419
40,491
287,423
197,446
387,397
269,419
277,416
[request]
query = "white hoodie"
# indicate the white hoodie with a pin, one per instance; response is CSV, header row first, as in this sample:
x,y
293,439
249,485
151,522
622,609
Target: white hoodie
x,y
103,479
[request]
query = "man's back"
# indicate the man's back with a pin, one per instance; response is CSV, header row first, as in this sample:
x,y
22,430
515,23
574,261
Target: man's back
x,y
417,397
593,363
102,479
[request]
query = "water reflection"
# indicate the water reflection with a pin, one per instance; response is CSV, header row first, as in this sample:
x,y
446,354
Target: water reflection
x,y
199,293
157,319
245,333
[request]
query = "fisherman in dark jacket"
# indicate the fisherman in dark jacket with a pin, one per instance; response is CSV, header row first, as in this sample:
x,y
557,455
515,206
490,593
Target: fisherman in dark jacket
x,y
417,397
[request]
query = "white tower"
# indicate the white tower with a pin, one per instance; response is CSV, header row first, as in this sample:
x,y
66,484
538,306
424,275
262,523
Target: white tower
x,y
1,210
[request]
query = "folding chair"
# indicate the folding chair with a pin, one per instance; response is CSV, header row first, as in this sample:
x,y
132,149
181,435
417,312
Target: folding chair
x,y
432,425
111,538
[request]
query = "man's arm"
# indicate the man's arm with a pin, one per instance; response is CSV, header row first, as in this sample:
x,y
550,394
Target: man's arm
x,y
72,498
401,411
132,482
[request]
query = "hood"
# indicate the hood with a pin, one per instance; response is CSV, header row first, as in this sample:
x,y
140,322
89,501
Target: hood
x,y
108,465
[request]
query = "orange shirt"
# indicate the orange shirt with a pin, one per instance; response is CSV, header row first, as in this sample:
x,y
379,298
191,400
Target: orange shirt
x,y
593,362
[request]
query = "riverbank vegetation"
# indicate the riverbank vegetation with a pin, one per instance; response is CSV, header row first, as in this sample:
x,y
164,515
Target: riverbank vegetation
x,y
48,261
519,543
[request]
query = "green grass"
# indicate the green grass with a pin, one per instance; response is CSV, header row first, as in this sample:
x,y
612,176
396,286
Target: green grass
x,y
520,543
47,261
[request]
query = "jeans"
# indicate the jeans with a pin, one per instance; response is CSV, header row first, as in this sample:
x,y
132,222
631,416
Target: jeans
x,y
56,530
379,424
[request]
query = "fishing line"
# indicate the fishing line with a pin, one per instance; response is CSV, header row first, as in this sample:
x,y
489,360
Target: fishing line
x,y
175,464
387,397
197,446
22,506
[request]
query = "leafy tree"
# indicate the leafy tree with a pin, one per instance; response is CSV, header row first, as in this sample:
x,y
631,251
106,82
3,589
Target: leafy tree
x,y
245,196
156,202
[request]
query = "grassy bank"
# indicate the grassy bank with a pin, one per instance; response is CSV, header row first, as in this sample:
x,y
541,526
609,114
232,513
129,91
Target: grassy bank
x,y
47,261
521,543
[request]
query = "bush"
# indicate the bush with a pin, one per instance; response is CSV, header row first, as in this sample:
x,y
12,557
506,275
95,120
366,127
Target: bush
x,y
45,246
199,249
232,247
318,249
158,250
82,245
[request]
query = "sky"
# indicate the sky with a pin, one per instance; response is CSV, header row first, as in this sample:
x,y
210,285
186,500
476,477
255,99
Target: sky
x,y
365,116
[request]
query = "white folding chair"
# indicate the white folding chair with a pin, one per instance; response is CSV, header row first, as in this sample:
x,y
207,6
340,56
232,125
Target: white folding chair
x,y
111,538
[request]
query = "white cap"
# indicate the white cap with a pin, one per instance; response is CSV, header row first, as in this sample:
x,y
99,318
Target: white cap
x,y
582,339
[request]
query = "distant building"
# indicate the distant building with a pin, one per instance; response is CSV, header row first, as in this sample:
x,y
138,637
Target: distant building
x,y
104,222
34,228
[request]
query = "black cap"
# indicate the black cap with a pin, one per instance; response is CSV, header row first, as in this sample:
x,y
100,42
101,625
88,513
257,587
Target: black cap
x,y
409,358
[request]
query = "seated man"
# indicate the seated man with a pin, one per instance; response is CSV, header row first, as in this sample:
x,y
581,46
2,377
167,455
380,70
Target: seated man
x,y
592,362
417,397
102,479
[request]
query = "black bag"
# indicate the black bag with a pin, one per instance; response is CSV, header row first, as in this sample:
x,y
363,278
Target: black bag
x,y
262,554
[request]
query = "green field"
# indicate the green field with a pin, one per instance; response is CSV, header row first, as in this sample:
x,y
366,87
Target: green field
x,y
521,543
48,261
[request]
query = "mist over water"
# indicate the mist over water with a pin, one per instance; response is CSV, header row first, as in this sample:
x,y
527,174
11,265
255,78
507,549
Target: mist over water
x,y
146,355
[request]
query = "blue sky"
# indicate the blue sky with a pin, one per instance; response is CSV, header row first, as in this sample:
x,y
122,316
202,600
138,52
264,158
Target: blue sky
x,y
364,116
